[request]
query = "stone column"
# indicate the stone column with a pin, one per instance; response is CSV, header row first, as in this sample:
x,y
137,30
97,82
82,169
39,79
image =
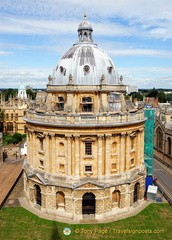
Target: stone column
x,y
29,153
46,161
69,155
52,143
122,153
35,149
107,154
127,151
99,155
76,160
142,146
138,149
117,139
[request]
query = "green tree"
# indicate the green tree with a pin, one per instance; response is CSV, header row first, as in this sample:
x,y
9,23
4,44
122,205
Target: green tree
x,y
162,98
1,114
138,96
31,94
10,92
153,93
17,136
169,97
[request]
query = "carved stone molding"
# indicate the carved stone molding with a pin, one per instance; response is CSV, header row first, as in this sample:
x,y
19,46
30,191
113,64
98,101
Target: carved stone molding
x,y
108,135
123,135
100,136
69,137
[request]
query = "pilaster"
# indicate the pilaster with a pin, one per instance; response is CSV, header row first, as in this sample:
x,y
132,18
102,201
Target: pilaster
x,y
99,154
77,154
122,153
107,159
69,154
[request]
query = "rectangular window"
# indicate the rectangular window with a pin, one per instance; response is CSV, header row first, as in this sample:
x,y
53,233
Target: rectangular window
x,y
62,167
86,104
60,106
113,166
88,168
41,162
41,145
88,148
132,161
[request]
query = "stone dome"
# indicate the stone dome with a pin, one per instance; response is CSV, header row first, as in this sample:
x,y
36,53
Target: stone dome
x,y
85,63
85,24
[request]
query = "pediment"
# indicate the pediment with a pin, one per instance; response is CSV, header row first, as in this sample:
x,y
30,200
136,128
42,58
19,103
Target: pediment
x,y
37,178
89,185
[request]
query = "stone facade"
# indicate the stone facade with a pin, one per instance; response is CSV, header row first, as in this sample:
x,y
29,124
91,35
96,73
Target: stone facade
x,y
14,111
163,135
85,148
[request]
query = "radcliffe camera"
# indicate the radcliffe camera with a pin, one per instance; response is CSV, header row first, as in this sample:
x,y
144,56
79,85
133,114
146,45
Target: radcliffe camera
x,y
85,146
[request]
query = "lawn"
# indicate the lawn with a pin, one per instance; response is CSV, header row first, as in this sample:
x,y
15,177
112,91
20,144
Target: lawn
x,y
154,222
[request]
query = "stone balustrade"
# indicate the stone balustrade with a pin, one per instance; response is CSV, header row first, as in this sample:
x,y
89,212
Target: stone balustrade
x,y
53,118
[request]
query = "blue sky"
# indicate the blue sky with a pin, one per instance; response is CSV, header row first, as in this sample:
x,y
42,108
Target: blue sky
x,y
137,35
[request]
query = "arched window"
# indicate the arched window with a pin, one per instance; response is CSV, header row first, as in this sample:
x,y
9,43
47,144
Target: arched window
x,y
85,35
116,198
159,135
88,203
169,145
16,116
9,126
60,200
38,195
114,147
136,192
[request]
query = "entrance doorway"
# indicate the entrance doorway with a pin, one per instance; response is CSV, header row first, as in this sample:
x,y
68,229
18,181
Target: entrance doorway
x,y
38,195
136,192
88,203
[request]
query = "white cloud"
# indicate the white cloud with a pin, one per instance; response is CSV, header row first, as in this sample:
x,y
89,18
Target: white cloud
x,y
141,52
147,77
58,17
35,77
5,53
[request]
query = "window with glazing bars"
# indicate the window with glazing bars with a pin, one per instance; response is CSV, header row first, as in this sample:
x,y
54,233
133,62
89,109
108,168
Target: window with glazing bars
x,y
88,148
88,168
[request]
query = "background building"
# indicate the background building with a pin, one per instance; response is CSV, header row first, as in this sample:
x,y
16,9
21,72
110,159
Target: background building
x,y
163,134
13,112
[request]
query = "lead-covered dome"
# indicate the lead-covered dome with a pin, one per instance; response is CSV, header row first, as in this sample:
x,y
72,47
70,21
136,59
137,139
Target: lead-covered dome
x,y
85,63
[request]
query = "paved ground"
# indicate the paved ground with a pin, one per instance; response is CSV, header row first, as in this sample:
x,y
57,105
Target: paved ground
x,y
164,176
10,170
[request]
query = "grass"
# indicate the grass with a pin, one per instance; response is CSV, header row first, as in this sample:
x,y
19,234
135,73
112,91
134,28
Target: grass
x,y
154,222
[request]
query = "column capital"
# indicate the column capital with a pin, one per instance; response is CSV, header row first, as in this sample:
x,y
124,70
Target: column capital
x,y
100,136
108,135
141,130
31,131
68,136
50,135
77,136
123,135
